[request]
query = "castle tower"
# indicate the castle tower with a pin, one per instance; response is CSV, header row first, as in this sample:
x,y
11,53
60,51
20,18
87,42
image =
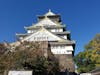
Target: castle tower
x,y
50,28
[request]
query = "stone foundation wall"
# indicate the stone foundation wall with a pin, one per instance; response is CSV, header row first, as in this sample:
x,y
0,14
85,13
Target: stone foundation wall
x,y
66,62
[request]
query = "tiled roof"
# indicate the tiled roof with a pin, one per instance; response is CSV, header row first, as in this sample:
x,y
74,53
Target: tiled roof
x,y
44,32
48,27
20,34
66,32
45,22
65,42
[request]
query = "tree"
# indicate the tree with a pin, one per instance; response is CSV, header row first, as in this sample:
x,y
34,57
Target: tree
x,y
29,56
3,48
89,59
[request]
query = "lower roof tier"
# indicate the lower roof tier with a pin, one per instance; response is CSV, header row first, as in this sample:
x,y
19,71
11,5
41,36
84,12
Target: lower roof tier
x,y
44,35
67,42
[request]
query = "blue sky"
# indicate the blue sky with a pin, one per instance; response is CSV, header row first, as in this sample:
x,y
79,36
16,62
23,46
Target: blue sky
x,y
82,17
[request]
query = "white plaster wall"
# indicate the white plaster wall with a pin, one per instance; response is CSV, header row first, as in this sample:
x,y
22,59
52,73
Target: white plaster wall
x,y
53,30
30,31
61,49
57,30
61,30
64,36
21,38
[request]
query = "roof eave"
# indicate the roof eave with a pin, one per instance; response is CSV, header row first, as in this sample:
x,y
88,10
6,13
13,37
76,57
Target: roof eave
x,y
41,16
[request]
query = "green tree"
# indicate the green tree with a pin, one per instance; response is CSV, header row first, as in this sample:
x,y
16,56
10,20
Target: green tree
x,y
89,59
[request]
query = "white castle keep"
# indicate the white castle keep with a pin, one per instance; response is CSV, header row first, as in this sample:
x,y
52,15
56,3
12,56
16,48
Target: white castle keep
x,y
51,29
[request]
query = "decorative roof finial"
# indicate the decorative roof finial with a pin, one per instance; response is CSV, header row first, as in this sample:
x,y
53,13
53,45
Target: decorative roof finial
x,y
49,10
49,13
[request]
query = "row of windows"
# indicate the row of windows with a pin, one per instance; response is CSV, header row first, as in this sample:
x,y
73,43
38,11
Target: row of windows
x,y
56,47
52,30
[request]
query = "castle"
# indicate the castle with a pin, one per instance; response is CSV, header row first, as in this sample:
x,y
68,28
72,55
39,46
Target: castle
x,y
51,29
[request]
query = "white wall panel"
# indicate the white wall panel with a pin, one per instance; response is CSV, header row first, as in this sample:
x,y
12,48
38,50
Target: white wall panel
x,y
20,73
61,49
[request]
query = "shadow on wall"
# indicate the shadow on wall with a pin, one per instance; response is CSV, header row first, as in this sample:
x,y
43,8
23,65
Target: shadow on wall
x,y
63,73
66,73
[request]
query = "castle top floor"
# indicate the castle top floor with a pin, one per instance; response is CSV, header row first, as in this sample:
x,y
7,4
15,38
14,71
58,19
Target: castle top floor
x,y
54,17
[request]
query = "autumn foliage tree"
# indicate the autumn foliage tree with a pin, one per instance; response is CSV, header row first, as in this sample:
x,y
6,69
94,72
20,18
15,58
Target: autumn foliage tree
x,y
89,59
29,56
